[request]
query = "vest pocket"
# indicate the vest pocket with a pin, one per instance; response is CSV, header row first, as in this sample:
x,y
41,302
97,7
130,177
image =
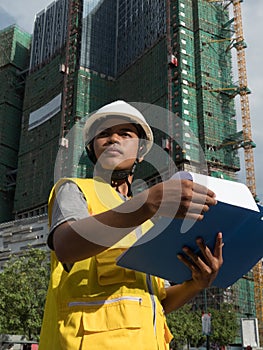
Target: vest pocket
x,y
110,314
117,324
93,322
108,272
123,321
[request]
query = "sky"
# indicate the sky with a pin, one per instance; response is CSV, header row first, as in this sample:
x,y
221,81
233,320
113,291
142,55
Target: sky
x,y
22,12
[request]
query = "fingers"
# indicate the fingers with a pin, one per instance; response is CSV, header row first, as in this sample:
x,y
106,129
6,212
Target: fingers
x,y
196,208
215,258
195,212
193,261
185,261
197,193
192,200
205,269
218,250
203,190
202,194
202,199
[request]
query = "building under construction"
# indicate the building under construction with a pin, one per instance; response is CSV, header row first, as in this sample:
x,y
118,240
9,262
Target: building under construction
x,y
14,60
173,54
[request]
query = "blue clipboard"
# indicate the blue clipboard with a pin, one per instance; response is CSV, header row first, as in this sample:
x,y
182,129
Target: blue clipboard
x,y
156,252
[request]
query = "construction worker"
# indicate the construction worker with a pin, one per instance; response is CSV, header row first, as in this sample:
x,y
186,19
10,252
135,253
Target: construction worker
x,y
92,303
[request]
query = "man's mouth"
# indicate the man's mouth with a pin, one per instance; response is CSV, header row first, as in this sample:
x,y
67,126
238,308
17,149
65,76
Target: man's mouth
x,y
113,150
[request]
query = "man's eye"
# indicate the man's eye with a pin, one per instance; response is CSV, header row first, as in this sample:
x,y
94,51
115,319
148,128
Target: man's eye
x,y
102,134
125,134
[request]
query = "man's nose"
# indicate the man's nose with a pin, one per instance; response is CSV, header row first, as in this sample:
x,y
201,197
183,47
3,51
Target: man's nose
x,y
114,138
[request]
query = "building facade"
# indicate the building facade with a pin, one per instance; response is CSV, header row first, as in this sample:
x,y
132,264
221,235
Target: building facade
x,y
172,54
14,60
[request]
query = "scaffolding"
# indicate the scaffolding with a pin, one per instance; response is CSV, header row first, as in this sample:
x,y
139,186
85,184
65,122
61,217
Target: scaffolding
x,y
173,53
71,66
240,46
39,145
198,34
168,71
244,139
14,59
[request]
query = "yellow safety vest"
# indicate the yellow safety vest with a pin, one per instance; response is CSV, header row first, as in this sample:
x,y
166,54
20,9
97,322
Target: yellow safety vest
x,y
99,305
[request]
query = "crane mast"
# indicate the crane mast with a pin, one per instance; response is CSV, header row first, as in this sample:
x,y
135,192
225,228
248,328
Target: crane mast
x,y
240,46
243,91
248,146
248,143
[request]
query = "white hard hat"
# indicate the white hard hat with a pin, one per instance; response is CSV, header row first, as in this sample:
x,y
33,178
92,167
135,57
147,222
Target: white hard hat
x,y
122,109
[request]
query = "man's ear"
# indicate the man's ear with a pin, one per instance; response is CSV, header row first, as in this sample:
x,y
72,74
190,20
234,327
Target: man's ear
x,y
140,153
90,152
141,150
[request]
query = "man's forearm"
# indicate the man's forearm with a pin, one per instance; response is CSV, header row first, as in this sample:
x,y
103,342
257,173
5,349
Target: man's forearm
x,y
178,295
78,240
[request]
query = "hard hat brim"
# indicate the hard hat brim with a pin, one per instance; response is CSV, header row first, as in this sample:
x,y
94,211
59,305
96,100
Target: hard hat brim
x,y
134,117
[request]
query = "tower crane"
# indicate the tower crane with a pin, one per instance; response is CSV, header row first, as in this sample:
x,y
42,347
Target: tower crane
x,y
240,46
247,143
248,146
70,69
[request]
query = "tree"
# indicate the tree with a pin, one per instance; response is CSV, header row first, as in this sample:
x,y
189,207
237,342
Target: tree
x,y
23,286
224,325
186,326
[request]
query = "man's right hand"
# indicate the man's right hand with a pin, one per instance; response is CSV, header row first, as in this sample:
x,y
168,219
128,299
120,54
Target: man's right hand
x,y
180,199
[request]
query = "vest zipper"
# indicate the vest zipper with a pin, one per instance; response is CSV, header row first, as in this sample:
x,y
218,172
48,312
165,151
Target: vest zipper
x,y
104,302
150,289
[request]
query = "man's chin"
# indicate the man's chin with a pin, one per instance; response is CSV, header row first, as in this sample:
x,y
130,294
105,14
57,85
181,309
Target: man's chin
x,y
111,167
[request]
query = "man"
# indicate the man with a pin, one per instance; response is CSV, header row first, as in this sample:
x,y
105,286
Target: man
x,y
92,303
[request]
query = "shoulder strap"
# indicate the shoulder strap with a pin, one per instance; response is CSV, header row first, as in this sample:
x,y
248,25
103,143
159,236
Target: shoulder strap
x,y
100,196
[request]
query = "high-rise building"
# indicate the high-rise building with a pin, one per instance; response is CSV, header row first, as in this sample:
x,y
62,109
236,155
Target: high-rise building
x,y
14,60
138,51
173,54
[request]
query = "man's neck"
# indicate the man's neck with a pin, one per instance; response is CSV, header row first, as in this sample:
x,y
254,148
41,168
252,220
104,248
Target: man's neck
x,y
120,185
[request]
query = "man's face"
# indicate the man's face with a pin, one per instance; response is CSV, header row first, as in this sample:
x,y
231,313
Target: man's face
x,y
116,144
